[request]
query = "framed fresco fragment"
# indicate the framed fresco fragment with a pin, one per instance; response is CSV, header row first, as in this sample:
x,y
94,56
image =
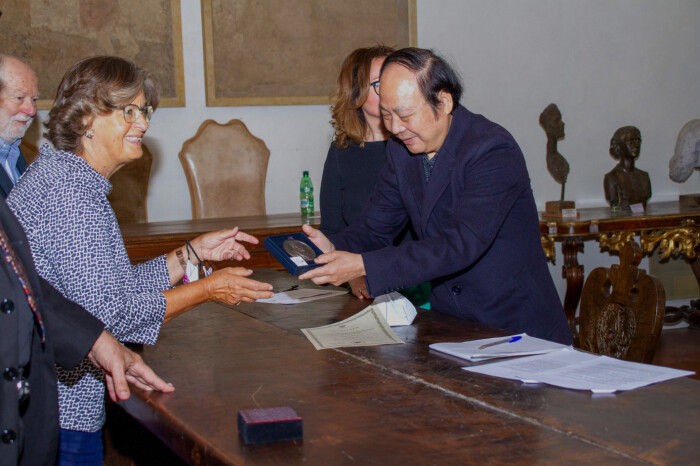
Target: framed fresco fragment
x,y
51,35
289,52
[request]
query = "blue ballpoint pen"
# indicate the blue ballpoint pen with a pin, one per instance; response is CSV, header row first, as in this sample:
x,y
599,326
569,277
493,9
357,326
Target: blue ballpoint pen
x,y
500,342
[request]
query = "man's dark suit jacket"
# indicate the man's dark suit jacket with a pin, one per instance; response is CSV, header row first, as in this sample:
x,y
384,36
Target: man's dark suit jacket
x,y
477,227
5,181
70,333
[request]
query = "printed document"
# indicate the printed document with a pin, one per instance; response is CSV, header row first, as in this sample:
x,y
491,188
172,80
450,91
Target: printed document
x,y
500,347
569,368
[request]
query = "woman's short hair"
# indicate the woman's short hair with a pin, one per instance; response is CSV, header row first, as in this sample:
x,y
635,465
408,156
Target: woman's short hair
x,y
91,87
433,74
352,88
618,139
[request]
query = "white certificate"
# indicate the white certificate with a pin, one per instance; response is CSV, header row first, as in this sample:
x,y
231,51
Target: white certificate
x,y
366,328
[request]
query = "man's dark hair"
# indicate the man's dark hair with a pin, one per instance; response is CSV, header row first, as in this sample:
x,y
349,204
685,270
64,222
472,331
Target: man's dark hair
x,y
433,74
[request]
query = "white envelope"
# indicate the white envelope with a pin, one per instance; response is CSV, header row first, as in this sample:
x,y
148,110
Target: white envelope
x,y
191,272
396,309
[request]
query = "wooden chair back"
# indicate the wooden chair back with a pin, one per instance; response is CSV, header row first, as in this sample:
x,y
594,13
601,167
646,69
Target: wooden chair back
x,y
226,169
29,151
31,141
130,190
622,309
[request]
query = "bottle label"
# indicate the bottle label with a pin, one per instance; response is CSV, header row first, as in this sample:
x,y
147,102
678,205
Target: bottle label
x,y
304,203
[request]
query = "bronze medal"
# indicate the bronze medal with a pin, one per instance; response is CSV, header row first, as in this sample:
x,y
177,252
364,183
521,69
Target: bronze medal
x,y
294,247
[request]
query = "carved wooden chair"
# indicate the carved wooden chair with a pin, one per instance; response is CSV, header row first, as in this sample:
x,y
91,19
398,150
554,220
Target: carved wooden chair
x,y
130,190
226,169
31,141
622,309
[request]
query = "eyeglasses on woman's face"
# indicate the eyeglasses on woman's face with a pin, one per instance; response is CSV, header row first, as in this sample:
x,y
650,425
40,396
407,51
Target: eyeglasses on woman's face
x,y
375,86
131,112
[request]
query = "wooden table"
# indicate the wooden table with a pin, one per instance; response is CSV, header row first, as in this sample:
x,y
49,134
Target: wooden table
x,y
673,228
396,404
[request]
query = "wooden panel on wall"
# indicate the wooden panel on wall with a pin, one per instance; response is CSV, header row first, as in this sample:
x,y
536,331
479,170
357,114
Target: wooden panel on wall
x,y
52,35
288,52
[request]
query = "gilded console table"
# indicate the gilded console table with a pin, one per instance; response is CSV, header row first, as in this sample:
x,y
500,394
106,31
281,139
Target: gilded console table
x,y
673,228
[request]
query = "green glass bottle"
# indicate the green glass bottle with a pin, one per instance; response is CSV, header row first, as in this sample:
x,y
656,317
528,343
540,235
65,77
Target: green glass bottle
x,y
306,195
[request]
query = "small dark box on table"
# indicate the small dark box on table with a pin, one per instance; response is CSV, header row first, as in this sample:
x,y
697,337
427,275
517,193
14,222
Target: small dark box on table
x,y
269,425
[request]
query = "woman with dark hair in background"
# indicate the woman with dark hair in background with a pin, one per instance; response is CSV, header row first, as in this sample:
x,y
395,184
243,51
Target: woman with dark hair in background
x,y
98,120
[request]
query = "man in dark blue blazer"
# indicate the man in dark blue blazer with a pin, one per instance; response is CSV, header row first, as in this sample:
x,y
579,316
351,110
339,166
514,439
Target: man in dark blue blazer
x,y
461,180
19,92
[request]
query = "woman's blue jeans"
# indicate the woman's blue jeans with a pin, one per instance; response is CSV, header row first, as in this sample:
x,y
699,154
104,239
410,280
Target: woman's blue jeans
x,y
80,448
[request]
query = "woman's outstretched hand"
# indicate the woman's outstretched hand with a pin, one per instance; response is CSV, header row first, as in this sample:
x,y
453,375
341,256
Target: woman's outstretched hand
x,y
230,286
223,245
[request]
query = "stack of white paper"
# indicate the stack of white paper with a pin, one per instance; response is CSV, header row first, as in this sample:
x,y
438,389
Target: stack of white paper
x,y
500,347
569,368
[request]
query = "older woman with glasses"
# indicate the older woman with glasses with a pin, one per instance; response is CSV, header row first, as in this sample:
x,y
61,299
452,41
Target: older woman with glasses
x,y
98,120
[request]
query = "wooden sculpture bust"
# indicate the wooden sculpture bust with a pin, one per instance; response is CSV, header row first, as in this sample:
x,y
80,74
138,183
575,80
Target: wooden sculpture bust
x,y
558,167
626,185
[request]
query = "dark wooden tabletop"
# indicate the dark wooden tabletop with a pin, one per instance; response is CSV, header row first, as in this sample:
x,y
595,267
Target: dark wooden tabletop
x,y
268,223
144,241
388,404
